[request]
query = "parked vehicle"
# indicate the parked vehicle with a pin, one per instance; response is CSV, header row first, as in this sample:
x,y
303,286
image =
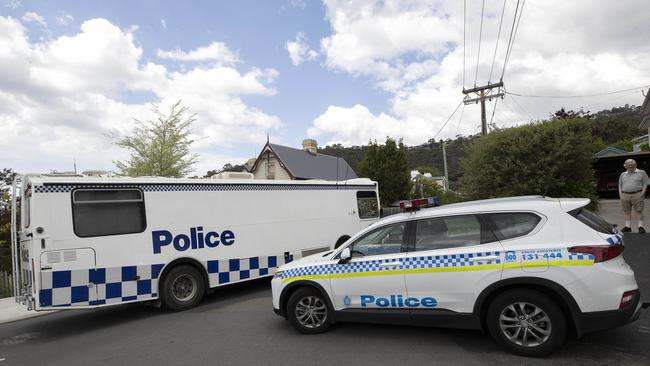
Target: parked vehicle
x,y
528,270
87,242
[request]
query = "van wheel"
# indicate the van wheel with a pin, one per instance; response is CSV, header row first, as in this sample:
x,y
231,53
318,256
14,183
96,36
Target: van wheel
x,y
341,240
308,312
526,323
182,288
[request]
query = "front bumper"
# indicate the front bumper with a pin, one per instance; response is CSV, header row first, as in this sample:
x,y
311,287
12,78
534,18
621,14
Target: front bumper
x,y
602,320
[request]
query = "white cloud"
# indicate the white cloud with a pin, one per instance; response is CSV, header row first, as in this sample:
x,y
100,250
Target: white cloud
x,y
163,23
299,50
66,95
413,50
33,17
215,51
64,19
13,4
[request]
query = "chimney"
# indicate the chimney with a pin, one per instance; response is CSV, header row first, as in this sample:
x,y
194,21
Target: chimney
x,y
310,145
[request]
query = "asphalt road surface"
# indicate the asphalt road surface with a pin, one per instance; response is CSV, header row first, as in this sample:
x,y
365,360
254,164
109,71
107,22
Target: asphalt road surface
x,y
236,326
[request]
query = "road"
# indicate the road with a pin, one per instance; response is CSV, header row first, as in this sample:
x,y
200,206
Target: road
x,y
236,326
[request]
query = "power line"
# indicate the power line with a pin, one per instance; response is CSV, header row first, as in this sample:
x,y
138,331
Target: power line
x,y
460,119
497,43
447,121
494,109
512,30
577,96
480,34
513,39
522,108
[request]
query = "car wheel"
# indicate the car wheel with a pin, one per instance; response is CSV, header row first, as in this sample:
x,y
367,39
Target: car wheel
x,y
526,322
182,288
308,312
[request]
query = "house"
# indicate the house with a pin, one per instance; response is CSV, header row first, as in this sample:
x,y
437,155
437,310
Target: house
x,y
439,180
286,163
608,166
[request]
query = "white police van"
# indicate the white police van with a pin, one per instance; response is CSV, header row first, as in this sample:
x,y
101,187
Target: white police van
x,y
529,270
87,242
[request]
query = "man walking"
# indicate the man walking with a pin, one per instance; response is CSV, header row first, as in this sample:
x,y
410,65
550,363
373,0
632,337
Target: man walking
x,y
632,185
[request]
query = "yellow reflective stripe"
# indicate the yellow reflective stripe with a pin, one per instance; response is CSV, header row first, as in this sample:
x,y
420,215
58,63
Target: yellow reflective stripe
x,y
484,267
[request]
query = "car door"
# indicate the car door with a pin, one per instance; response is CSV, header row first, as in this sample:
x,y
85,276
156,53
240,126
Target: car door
x,y
374,277
452,259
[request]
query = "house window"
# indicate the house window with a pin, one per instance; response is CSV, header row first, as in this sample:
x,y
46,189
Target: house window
x,y
100,212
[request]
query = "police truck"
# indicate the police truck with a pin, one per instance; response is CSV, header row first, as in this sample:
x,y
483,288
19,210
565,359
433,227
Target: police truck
x,y
83,242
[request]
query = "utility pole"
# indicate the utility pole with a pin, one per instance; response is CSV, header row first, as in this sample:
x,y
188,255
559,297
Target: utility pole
x,y
484,93
444,159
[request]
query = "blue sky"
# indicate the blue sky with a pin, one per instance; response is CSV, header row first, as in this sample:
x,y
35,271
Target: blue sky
x,y
73,73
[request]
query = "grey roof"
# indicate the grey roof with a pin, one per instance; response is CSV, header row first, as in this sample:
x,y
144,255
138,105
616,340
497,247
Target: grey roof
x,y
610,150
304,165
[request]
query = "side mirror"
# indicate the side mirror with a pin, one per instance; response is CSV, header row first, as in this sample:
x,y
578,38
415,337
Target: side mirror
x,y
345,256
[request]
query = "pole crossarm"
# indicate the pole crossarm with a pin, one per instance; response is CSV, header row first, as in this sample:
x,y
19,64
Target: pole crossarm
x,y
487,97
476,89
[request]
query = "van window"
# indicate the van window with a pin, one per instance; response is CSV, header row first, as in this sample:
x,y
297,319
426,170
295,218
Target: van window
x,y
510,225
26,205
100,212
367,204
447,232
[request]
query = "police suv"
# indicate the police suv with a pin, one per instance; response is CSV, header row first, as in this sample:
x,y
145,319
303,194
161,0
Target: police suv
x,y
529,270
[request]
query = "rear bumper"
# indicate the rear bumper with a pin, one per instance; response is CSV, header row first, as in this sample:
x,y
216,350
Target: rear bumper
x,y
601,320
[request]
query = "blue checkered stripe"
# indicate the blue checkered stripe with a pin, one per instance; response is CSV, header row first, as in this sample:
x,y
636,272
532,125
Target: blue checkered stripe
x,y
580,257
616,239
409,263
225,271
86,287
62,188
448,261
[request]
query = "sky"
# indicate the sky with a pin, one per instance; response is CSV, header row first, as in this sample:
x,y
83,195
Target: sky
x,y
76,75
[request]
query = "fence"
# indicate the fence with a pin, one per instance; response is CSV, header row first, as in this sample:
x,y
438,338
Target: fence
x,y
6,285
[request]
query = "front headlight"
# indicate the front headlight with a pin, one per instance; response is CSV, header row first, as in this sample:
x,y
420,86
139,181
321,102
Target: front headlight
x,y
277,274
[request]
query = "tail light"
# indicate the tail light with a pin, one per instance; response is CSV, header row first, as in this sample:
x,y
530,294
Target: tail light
x,y
627,298
601,253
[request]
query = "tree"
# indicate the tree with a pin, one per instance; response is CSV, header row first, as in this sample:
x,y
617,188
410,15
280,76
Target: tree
x,y
6,179
160,147
388,165
552,158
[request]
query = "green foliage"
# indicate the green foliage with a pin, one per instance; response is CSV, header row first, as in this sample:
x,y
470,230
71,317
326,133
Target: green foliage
x,y
425,187
388,165
552,158
429,169
617,124
160,147
6,179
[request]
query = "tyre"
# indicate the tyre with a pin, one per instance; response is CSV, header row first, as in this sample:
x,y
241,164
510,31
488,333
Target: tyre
x,y
182,288
526,322
308,312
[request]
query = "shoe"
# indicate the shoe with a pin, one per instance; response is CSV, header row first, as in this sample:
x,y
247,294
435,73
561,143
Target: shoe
x,y
626,230
641,230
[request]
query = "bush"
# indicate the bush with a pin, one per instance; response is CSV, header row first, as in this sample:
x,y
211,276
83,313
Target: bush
x,y
550,158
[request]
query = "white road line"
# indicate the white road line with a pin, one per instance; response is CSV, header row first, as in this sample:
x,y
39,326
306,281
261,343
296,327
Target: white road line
x,y
2,359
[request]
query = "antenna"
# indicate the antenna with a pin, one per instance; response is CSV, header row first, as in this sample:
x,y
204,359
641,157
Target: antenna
x,y
74,164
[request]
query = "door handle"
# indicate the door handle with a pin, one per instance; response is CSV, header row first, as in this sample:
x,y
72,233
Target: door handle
x,y
390,264
46,268
484,259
